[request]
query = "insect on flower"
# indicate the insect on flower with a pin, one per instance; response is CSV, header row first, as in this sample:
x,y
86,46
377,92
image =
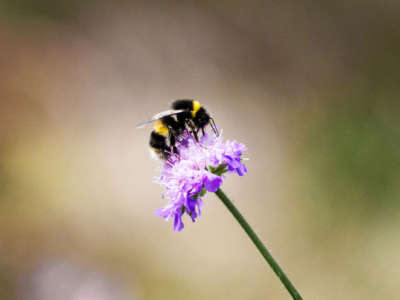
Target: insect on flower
x,y
192,164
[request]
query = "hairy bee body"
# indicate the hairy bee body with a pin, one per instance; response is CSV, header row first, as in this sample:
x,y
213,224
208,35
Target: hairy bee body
x,y
163,137
186,114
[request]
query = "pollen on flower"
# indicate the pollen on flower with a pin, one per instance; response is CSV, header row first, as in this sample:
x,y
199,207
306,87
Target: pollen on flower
x,y
197,168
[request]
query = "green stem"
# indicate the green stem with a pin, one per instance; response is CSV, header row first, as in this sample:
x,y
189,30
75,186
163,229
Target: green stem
x,y
260,246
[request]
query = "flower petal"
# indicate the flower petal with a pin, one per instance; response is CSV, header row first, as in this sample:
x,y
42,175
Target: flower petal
x,y
212,182
178,224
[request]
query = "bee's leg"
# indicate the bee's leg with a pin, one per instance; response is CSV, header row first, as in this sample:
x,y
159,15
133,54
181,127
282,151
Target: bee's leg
x,y
202,130
192,130
196,137
172,141
214,127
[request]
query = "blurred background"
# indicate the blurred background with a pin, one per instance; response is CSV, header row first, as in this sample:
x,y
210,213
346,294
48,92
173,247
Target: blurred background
x,y
312,88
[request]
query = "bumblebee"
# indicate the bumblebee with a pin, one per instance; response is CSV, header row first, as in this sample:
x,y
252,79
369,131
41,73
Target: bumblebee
x,y
169,125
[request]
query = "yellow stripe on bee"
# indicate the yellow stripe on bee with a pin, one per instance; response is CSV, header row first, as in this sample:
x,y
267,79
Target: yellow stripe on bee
x,y
160,128
196,107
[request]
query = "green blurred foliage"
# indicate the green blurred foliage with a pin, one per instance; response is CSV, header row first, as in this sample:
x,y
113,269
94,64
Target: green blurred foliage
x,y
41,9
353,156
7,282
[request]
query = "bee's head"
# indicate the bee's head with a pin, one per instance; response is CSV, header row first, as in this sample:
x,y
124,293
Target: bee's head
x,y
202,118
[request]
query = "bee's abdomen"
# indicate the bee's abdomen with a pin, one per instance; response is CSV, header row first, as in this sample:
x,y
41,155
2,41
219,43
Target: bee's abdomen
x,y
158,144
160,128
158,141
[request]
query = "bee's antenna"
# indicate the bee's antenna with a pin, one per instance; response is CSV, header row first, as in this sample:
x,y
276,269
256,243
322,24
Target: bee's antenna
x,y
214,127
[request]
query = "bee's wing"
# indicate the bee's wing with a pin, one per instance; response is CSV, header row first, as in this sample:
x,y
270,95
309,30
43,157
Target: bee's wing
x,y
143,124
169,112
160,115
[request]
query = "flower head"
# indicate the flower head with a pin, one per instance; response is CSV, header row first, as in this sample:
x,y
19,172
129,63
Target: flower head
x,y
198,168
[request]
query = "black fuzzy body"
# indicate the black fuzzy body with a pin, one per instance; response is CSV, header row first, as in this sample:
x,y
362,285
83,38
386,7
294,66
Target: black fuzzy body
x,y
158,143
164,145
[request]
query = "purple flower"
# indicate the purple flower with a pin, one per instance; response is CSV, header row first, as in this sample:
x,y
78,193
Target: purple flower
x,y
198,168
